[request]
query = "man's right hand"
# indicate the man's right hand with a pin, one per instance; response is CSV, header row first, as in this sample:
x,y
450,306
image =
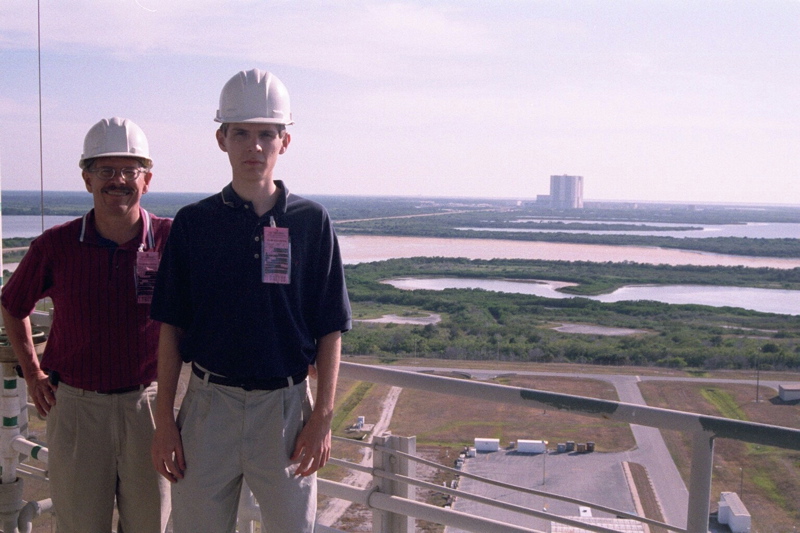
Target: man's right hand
x,y
42,392
167,452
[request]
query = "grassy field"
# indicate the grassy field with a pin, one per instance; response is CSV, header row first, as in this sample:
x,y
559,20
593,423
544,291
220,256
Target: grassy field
x,y
767,479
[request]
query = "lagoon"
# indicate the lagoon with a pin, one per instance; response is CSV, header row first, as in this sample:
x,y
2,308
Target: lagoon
x,y
778,301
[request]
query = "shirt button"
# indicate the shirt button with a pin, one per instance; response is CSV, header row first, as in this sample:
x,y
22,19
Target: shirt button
x,y
257,239
256,256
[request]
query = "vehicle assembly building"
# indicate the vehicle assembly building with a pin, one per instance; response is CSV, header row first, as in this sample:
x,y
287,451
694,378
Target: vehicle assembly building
x,y
566,192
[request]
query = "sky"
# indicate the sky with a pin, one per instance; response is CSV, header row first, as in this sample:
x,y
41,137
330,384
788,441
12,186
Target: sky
x,y
648,100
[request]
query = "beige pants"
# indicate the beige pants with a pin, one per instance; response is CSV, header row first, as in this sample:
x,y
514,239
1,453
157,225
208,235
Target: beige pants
x,y
99,452
230,435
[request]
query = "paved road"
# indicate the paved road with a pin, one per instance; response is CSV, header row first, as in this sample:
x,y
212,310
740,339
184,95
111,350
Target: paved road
x,y
651,451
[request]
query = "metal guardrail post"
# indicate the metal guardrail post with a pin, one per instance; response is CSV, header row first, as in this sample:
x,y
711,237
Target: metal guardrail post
x,y
383,521
700,482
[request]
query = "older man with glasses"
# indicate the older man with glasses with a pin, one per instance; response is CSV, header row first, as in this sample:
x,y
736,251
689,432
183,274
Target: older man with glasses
x,y
95,383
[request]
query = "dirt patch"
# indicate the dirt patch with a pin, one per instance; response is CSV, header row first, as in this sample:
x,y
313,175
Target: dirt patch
x,y
448,420
647,496
588,329
432,318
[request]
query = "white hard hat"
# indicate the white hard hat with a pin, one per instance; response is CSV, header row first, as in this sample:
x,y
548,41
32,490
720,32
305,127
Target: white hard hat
x,y
254,96
115,137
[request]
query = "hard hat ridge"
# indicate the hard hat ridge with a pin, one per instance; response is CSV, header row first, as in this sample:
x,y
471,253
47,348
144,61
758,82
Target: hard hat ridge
x,y
115,137
254,96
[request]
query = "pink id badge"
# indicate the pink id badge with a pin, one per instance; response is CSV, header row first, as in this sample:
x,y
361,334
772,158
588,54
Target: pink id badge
x,y
276,256
146,270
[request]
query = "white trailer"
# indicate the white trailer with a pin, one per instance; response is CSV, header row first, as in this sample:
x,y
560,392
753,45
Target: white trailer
x,y
487,445
531,446
733,513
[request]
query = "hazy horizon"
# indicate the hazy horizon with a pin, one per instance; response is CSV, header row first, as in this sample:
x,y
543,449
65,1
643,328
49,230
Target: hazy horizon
x,y
444,197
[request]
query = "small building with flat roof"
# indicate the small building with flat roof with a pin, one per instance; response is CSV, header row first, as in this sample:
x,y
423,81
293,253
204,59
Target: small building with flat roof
x,y
733,513
789,392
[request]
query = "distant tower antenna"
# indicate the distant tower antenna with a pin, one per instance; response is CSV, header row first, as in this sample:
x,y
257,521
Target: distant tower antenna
x,y
41,159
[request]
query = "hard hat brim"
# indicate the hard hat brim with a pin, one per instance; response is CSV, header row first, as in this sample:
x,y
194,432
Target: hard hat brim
x,y
116,154
257,120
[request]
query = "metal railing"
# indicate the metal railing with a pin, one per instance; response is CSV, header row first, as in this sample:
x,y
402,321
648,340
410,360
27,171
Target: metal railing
x,y
390,495
703,430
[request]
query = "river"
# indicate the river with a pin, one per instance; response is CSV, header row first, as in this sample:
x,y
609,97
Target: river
x,y
363,249
360,249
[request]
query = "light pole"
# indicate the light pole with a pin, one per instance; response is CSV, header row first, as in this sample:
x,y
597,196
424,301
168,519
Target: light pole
x,y
544,465
741,483
758,377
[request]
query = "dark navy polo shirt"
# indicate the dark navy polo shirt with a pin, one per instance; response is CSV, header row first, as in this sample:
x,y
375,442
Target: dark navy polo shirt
x,y
210,285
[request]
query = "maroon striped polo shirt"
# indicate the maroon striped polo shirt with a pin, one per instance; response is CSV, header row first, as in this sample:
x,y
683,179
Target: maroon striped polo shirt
x,y
101,338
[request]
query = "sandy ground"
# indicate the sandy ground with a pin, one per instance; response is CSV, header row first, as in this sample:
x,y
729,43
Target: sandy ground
x,y
433,318
587,329
335,507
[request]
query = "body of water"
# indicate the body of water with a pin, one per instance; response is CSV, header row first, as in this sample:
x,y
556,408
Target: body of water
x,y
753,230
765,300
30,226
360,249
364,249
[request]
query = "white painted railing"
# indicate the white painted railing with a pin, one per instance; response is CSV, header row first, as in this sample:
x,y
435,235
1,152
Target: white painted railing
x,y
390,496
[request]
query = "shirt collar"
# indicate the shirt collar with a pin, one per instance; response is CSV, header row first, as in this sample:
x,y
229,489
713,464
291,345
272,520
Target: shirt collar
x,y
231,199
90,235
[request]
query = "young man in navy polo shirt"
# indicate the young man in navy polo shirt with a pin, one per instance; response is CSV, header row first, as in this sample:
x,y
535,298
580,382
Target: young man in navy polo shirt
x,y
251,292
95,382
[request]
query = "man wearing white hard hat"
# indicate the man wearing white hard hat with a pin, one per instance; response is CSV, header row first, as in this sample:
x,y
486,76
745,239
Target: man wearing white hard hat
x,y
251,292
95,383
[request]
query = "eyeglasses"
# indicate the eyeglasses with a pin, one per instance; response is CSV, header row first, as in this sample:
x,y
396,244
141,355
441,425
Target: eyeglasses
x,y
127,173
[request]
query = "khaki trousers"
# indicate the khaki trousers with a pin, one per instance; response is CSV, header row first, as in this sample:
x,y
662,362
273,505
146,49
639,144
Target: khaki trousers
x,y
99,452
230,435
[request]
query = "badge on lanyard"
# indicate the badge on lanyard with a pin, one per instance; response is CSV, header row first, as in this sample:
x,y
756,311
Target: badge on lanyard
x,y
146,270
276,255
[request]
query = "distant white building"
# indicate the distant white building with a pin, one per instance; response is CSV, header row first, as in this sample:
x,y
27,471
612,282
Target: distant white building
x,y
531,446
566,192
487,445
733,513
789,392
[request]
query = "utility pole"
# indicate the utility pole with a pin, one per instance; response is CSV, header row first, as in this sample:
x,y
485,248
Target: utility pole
x,y
741,483
544,465
758,378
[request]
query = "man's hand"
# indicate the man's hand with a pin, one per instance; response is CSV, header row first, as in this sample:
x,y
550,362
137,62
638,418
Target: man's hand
x,y
41,391
167,452
313,447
